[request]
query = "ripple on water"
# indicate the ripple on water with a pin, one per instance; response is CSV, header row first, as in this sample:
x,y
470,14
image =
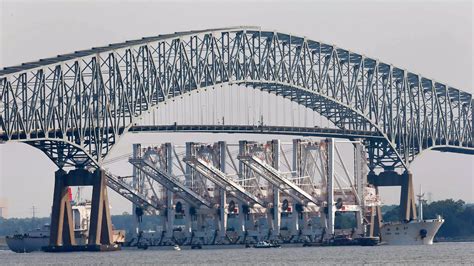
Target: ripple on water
x,y
441,253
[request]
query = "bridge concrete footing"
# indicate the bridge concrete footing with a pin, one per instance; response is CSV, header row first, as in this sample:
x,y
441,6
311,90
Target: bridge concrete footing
x,y
62,224
100,236
407,194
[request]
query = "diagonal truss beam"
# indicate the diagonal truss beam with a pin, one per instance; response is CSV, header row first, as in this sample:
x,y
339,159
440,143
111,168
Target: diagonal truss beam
x,y
91,98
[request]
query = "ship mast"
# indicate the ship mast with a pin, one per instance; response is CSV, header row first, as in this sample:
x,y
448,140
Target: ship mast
x,y
420,204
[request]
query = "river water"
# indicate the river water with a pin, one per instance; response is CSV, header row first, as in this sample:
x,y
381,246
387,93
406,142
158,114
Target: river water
x,y
440,254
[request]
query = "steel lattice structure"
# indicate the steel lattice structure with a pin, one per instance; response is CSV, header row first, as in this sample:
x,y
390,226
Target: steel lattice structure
x,y
76,106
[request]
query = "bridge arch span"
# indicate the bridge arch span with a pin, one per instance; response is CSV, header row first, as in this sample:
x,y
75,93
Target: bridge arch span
x,y
89,98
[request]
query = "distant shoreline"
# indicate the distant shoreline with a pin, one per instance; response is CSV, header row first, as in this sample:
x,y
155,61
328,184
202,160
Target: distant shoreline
x,y
451,240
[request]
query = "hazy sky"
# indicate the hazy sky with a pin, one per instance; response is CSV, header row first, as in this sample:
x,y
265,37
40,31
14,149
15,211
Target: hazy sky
x,y
430,38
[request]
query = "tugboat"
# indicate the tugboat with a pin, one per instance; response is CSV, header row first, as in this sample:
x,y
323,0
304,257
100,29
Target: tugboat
x,y
266,244
342,240
417,232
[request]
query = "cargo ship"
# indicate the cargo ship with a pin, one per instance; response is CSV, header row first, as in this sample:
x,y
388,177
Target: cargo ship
x,y
416,232
35,239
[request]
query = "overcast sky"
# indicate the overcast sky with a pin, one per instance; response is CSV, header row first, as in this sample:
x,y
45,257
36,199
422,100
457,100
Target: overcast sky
x,y
430,38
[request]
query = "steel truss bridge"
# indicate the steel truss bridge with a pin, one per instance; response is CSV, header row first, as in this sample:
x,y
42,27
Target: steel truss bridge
x,y
75,107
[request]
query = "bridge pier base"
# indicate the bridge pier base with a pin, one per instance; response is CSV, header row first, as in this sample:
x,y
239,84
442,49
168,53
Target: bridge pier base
x,y
62,227
100,234
407,194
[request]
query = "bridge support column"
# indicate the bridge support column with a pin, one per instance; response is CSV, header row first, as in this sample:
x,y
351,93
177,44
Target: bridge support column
x,y
100,230
100,225
62,227
407,196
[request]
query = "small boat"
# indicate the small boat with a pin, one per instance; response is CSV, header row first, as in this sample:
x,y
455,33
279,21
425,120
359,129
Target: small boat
x,y
368,240
342,240
176,247
266,244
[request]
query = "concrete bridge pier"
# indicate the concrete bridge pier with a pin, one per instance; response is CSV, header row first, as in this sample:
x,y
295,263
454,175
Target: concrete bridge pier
x,y
62,224
407,194
62,237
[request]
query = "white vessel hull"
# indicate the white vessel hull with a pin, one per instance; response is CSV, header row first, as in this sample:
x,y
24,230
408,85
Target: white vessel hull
x,y
411,233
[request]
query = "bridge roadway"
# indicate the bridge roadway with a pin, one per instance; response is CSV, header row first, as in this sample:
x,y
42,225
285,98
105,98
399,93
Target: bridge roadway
x,y
242,129
285,130
237,129
259,129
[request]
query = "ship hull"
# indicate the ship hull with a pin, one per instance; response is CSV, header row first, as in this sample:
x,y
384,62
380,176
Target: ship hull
x,y
411,233
26,244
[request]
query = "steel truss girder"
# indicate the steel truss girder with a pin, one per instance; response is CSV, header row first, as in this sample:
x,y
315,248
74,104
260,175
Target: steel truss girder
x,y
98,94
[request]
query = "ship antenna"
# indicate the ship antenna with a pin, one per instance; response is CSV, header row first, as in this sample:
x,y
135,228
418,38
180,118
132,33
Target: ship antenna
x,y
420,203
33,209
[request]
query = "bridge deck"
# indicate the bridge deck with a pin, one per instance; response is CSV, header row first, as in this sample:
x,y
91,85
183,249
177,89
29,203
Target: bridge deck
x,y
258,129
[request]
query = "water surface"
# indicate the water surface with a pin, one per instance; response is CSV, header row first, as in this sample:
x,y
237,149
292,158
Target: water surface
x,y
440,253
